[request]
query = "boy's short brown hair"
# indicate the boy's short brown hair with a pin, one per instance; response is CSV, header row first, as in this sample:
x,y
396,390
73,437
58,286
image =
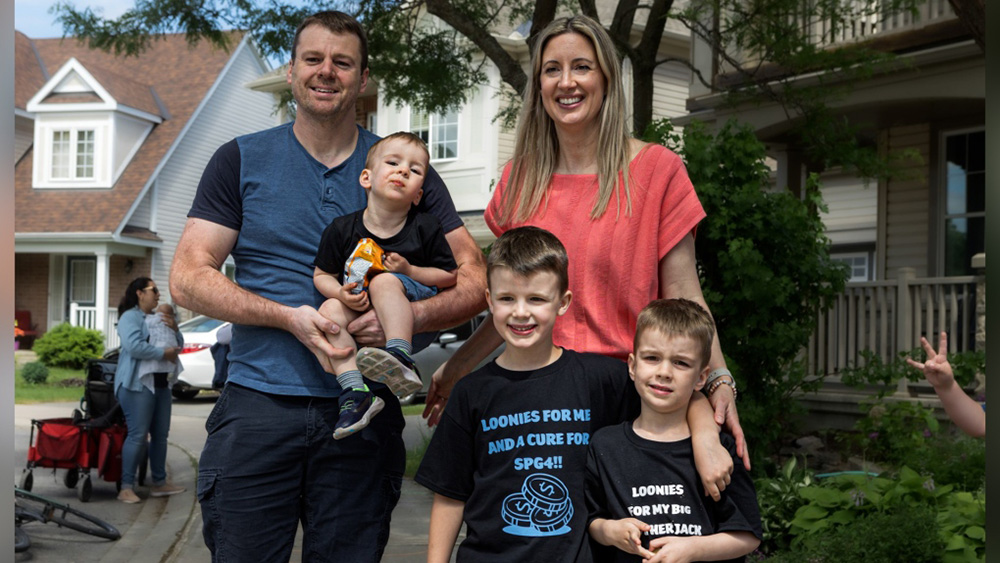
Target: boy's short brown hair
x,y
678,317
527,251
411,138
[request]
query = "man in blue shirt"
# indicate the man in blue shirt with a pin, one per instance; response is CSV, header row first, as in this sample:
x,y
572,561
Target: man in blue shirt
x,y
270,461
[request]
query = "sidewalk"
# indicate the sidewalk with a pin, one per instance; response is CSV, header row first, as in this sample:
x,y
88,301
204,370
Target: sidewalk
x,y
169,529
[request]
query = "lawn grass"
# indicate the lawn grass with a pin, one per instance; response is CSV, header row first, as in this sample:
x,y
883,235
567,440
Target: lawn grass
x,y
52,390
413,409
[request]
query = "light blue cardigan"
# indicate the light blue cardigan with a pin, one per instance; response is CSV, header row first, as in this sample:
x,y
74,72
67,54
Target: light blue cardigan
x,y
135,347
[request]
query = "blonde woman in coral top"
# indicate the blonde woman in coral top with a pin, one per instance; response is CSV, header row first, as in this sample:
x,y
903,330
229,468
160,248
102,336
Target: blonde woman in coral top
x,y
625,211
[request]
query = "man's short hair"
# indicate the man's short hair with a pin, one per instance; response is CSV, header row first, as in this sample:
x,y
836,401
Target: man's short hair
x,y
527,251
673,317
335,22
411,138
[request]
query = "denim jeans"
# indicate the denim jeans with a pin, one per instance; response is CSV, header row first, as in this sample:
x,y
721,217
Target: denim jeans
x,y
145,413
270,462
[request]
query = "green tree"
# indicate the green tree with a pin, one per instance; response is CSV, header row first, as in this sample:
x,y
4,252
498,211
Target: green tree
x,y
435,68
765,270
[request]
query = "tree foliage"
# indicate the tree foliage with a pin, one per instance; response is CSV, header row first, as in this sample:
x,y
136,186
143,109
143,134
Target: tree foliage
x,y
765,269
435,67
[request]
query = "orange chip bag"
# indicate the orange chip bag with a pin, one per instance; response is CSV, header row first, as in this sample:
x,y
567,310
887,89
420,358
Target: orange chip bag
x,y
364,262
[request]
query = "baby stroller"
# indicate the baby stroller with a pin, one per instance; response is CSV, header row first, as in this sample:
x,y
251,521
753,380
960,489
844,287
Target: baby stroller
x,y
91,439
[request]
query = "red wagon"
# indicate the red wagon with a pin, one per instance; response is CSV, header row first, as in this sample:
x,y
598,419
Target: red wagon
x,y
78,447
91,439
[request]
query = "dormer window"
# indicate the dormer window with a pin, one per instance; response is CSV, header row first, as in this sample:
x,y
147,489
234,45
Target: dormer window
x,y
87,129
73,154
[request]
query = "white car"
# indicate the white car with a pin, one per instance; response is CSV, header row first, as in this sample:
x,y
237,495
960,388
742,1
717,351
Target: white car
x,y
196,356
201,332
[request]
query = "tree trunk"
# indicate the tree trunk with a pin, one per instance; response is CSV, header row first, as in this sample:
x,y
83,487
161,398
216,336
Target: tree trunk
x,y
972,14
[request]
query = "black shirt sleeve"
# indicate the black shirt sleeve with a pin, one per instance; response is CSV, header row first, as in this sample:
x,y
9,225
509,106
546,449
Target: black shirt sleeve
x,y
438,252
437,201
449,462
218,197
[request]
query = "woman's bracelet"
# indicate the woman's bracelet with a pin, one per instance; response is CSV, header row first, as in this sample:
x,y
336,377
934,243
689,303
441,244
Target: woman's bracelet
x,y
716,374
722,381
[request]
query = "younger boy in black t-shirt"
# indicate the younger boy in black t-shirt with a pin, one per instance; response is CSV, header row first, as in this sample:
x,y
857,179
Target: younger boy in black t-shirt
x,y
383,257
643,494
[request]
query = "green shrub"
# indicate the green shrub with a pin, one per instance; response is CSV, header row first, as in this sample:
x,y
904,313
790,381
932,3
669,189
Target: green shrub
x,y
35,373
779,499
69,346
764,263
865,505
893,432
906,534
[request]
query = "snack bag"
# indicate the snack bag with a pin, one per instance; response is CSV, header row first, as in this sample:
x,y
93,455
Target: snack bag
x,y
364,262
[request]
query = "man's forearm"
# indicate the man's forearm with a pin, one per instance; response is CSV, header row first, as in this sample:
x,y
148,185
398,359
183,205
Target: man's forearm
x,y
211,293
197,284
465,300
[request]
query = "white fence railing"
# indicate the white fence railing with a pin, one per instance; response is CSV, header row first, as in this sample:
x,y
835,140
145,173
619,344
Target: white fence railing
x,y
889,317
87,317
866,19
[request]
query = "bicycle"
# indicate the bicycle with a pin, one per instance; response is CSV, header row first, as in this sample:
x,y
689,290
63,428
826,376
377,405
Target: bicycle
x,y
29,507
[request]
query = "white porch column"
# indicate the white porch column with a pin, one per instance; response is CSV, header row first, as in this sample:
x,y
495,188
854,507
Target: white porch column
x,y
102,288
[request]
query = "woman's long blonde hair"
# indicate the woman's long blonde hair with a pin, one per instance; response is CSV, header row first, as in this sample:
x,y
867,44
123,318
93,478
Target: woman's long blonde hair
x,y
536,151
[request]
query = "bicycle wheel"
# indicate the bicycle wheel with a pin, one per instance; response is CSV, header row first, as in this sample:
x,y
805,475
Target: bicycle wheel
x,y
67,516
21,540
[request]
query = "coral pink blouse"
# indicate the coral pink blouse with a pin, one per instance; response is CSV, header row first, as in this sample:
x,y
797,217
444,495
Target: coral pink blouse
x,y
613,264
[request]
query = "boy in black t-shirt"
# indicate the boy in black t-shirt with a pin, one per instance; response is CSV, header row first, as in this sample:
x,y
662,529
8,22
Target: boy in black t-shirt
x,y
508,456
357,253
643,494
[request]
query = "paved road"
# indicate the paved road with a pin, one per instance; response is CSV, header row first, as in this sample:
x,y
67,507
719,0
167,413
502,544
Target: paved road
x,y
169,529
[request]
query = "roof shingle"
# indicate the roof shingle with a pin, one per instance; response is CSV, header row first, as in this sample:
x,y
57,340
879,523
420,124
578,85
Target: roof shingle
x,y
181,75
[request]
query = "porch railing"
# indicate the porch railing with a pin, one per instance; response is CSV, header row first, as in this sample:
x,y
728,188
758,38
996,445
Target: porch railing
x,y
889,317
869,20
87,317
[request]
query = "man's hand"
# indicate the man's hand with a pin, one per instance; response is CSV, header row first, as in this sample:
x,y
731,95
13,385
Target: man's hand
x,y
395,262
625,534
355,301
311,328
724,403
366,329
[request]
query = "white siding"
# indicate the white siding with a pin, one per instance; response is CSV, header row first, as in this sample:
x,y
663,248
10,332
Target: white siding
x,y
129,133
469,176
24,134
142,215
907,202
230,110
670,90
853,209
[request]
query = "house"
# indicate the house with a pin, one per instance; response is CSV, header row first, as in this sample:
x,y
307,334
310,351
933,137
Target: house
x,y
916,243
468,146
109,152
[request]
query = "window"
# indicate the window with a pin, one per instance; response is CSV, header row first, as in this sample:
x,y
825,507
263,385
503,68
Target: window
x,y
83,281
858,264
439,131
76,147
964,221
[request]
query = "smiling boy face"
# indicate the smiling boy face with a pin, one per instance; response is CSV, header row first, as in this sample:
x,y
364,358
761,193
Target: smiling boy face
x,y
667,370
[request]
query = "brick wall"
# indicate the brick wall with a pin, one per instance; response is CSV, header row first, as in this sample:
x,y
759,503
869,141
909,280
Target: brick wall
x,y
31,287
118,278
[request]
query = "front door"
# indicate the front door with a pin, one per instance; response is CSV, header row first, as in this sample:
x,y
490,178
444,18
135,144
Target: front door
x,y
81,288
